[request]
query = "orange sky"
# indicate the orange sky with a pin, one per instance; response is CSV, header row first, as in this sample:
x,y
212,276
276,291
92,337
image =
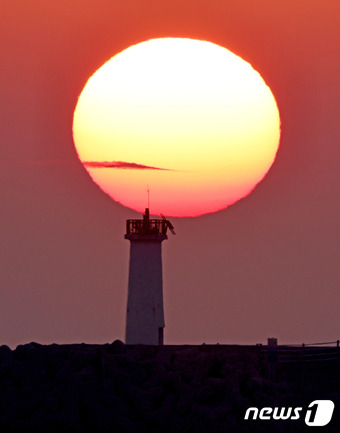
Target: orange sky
x,y
267,266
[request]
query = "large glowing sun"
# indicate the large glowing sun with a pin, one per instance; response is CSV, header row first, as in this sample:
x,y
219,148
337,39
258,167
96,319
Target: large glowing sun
x,y
188,119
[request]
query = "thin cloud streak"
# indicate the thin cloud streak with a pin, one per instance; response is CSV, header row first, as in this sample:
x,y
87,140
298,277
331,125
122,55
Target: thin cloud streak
x,y
120,164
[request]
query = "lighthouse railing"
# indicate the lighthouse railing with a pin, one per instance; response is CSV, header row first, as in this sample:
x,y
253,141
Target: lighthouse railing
x,y
149,227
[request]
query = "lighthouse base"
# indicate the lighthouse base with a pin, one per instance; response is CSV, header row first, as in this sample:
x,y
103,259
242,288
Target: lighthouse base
x,y
145,315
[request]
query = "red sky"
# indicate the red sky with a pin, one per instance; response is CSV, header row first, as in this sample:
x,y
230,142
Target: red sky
x,y
267,266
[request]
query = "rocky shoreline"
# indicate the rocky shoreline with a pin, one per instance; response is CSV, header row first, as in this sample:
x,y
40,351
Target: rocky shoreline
x,y
150,389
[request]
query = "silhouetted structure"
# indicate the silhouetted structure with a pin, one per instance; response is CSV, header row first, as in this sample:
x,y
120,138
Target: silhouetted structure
x,y
145,314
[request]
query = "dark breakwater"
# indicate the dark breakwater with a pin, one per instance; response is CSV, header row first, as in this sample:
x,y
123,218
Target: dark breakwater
x,y
150,389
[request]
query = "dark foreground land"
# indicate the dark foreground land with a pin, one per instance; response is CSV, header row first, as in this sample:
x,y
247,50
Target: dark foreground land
x,y
133,389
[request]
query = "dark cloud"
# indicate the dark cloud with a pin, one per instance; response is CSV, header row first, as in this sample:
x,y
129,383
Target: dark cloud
x,y
120,164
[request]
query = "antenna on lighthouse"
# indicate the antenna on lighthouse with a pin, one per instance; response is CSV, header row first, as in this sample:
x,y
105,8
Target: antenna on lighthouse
x,y
148,191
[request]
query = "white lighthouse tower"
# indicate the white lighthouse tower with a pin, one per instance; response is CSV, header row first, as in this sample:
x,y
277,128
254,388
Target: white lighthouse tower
x,y
145,314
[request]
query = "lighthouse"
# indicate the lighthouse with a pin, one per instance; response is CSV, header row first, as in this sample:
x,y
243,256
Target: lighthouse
x,y
145,313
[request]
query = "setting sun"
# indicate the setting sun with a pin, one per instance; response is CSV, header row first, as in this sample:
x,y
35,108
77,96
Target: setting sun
x,y
188,119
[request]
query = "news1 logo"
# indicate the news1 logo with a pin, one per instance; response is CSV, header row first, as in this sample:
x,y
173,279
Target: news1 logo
x,y
318,414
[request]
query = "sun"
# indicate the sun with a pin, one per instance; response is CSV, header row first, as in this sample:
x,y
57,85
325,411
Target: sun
x,y
187,119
